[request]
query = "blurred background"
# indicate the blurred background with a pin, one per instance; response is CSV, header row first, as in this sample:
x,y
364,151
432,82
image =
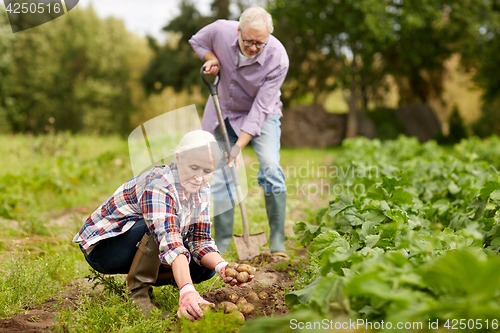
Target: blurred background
x,y
377,68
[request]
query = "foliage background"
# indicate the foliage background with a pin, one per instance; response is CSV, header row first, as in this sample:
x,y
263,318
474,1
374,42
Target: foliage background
x,y
86,74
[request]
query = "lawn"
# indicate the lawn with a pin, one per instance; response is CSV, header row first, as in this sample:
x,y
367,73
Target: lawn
x,y
50,183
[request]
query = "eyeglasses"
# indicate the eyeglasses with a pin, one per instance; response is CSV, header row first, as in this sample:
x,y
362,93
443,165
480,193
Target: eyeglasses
x,y
249,43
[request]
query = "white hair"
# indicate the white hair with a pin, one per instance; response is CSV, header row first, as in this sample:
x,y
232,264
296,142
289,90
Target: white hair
x,y
256,18
194,139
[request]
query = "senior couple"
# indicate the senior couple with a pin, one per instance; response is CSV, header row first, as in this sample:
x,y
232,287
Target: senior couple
x,y
156,227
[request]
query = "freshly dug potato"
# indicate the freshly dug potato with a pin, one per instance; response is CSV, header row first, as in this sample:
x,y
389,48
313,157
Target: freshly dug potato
x,y
232,265
228,307
263,295
231,272
246,268
233,297
247,309
242,277
239,315
205,308
241,301
252,297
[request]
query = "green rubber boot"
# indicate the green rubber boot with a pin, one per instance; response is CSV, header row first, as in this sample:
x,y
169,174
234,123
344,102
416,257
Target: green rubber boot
x,y
276,210
223,227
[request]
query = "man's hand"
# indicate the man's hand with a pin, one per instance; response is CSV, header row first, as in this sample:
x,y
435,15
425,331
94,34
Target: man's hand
x,y
189,300
211,67
221,270
233,157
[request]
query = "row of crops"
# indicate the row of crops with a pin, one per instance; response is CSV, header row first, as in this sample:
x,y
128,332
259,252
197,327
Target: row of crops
x,y
415,250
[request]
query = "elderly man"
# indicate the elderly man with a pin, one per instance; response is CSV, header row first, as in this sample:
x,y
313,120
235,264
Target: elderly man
x,y
253,66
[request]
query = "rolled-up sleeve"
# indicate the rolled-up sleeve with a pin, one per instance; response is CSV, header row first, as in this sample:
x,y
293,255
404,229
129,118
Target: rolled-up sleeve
x,y
202,41
158,209
201,241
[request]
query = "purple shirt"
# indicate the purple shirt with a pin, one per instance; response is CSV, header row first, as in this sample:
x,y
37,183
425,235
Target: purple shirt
x,y
249,93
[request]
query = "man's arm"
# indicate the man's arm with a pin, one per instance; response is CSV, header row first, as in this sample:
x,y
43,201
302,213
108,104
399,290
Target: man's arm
x,y
211,64
243,140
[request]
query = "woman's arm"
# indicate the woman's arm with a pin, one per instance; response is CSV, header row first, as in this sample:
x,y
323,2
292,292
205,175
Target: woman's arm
x,y
210,260
180,268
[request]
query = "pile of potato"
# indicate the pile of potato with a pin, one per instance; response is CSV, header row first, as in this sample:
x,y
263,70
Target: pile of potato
x,y
240,272
240,306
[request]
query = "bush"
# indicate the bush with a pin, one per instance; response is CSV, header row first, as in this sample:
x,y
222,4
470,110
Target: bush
x,y
387,125
457,129
489,123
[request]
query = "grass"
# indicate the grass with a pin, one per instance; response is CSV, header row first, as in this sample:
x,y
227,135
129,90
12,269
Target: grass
x,y
49,183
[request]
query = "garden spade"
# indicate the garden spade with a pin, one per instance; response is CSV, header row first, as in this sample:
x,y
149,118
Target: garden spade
x,y
247,246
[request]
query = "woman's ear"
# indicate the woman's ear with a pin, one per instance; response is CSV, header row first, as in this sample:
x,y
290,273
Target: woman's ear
x,y
177,158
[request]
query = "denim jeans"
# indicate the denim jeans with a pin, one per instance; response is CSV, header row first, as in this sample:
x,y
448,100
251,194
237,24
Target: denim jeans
x,y
115,255
267,147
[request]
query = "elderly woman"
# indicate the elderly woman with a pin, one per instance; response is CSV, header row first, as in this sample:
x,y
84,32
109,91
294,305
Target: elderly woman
x,y
156,227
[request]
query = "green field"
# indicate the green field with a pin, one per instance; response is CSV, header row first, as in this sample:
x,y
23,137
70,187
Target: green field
x,y
396,231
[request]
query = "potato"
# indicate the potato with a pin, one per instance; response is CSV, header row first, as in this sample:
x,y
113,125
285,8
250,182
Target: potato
x,y
246,268
232,265
231,272
242,277
233,297
247,309
241,301
228,307
239,315
252,297
205,308
263,295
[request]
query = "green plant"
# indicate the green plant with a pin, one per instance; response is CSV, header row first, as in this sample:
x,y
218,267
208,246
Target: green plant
x,y
27,280
419,243
110,283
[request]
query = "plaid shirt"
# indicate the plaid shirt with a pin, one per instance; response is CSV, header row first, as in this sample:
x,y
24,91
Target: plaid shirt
x,y
158,197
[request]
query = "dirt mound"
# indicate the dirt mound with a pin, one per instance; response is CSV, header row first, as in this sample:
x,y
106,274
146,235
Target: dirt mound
x,y
420,121
41,318
273,276
311,126
267,279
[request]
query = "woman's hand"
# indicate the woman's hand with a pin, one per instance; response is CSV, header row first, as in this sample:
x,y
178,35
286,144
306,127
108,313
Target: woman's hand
x,y
221,270
189,302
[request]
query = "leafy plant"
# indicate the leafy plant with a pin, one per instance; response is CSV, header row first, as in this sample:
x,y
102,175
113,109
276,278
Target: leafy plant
x,y
420,243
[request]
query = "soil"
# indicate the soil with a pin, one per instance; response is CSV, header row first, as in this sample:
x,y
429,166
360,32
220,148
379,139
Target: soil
x,y
275,282
42,318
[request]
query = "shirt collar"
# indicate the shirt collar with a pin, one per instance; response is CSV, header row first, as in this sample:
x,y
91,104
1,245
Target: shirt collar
x,y
260,58
196,199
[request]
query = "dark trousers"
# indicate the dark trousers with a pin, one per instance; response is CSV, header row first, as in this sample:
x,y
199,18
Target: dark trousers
x,y
115,255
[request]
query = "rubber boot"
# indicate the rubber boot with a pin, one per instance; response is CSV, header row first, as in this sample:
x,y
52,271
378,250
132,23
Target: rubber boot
x,y
276,209
165,278
223,227
143,274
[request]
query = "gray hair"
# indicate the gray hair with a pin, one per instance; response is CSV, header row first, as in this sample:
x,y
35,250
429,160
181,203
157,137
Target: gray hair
x,y
257,18
200,142
194,139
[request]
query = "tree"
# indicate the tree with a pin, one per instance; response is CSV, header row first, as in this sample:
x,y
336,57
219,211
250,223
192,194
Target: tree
x,y
6,41
74,70
354,45
176,64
